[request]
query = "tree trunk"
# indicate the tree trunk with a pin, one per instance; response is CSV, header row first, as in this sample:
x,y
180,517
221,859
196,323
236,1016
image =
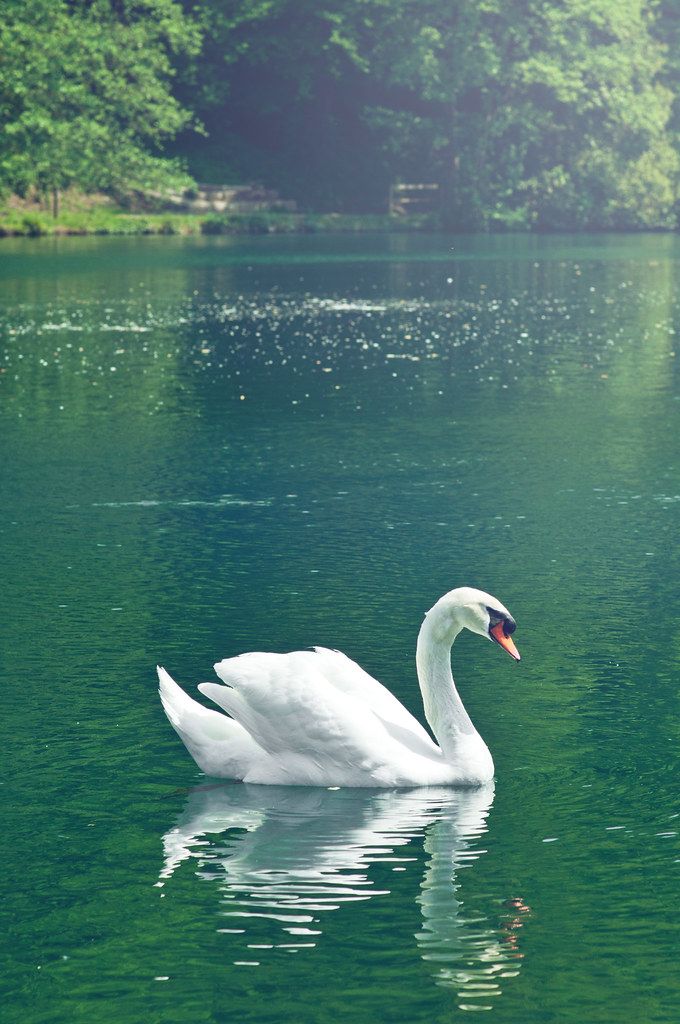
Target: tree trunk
x,y
55,202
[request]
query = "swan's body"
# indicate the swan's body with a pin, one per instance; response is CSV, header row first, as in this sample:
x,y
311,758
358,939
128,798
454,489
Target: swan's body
x,y
315,718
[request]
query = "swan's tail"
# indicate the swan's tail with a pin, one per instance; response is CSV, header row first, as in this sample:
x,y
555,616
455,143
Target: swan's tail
x,y
176,703
219,745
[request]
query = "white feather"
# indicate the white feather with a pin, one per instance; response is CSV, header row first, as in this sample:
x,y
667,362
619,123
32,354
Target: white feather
x,y
219,745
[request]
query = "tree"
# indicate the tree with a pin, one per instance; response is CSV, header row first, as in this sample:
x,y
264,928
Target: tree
x,y
85,93
280,89
528,112
542,113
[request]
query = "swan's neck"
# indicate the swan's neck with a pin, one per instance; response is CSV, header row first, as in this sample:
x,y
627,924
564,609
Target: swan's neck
x,y
444,709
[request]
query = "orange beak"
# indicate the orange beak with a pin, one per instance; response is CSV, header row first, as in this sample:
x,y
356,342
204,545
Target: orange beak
x,y
506,642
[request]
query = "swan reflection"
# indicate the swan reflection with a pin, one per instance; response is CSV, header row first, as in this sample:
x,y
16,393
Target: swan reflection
x,y
292,855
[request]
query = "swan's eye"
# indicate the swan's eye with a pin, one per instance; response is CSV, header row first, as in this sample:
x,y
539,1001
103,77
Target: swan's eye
x,y
494,618
509,625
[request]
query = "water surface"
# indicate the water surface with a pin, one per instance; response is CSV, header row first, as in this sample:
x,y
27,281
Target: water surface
x,y
216,445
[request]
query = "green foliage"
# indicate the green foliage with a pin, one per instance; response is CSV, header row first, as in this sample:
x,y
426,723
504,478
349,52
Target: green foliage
x,y
281,88
85,93
528,113
547,114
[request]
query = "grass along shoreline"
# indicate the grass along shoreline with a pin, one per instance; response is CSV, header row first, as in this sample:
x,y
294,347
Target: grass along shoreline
x,y
103,221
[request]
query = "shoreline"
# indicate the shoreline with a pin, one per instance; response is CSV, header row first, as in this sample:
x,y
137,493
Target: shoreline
x,y
103,221
22,224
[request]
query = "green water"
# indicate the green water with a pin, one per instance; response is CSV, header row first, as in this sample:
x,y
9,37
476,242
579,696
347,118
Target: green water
x,y
217,445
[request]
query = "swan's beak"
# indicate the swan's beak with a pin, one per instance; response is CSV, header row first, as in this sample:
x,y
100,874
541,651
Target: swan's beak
x,y
506,642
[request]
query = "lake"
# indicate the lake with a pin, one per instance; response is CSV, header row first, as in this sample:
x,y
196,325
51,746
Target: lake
x,y
217,445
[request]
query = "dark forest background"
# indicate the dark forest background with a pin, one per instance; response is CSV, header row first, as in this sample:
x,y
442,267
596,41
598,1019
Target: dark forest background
x,y
527,113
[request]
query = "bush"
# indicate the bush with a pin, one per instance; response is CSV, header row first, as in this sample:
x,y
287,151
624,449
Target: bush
x,y
33,226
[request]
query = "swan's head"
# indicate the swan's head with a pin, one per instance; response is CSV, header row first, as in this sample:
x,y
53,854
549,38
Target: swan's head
x,y
481,613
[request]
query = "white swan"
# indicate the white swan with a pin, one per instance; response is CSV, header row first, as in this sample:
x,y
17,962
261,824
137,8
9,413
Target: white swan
x,y
315,718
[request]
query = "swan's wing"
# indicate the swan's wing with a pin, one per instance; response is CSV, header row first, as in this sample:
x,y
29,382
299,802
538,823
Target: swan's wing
x,y
310,728
350,678
218,745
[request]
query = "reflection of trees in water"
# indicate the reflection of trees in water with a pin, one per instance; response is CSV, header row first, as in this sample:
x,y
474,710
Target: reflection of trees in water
x,y
505,317
291,855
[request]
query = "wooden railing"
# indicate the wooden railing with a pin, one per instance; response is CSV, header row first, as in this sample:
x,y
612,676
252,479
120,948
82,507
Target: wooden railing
x,y
420,198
